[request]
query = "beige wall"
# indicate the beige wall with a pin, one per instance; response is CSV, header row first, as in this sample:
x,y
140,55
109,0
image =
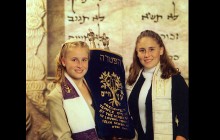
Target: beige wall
x,y
49,23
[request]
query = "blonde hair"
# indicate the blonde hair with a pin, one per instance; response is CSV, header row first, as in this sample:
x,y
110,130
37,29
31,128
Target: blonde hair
x,y
60,69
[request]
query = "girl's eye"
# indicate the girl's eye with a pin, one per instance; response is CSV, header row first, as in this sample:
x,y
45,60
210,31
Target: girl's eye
x,y
142,50
74,60
84,60
151,49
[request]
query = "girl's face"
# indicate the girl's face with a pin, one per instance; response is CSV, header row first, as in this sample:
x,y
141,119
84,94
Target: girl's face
x,y
148,52
76,62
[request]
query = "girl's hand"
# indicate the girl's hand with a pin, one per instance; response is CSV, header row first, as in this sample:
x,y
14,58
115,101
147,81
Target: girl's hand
x,y
180,138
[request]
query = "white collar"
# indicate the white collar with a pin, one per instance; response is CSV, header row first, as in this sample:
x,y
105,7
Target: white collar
x,y
148,72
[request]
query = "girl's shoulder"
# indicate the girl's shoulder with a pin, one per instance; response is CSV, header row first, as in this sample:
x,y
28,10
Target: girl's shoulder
x,y
178,79
56,92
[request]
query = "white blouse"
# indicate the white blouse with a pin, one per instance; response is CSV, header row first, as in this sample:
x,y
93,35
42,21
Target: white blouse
x,y
148,74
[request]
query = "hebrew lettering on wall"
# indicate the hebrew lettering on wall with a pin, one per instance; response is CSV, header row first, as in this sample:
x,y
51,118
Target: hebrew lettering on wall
x,y
122,21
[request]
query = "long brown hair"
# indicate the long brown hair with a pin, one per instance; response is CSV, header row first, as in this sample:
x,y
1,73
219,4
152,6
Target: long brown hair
x,y
166,64
60,69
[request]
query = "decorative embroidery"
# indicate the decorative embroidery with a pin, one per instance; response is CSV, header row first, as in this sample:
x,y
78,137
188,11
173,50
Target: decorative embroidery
x,y
68,90
113,83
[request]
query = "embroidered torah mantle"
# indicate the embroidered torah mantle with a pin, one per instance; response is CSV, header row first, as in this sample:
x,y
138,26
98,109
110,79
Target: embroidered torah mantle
x,y
106,79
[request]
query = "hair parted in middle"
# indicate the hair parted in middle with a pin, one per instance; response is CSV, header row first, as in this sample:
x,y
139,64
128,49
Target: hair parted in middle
x,y
167,66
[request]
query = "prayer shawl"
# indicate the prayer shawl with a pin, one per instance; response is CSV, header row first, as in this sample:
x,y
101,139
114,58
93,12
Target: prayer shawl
x,y
78,114
161,105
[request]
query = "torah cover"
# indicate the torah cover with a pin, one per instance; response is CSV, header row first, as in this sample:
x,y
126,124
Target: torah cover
x,y
106,79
